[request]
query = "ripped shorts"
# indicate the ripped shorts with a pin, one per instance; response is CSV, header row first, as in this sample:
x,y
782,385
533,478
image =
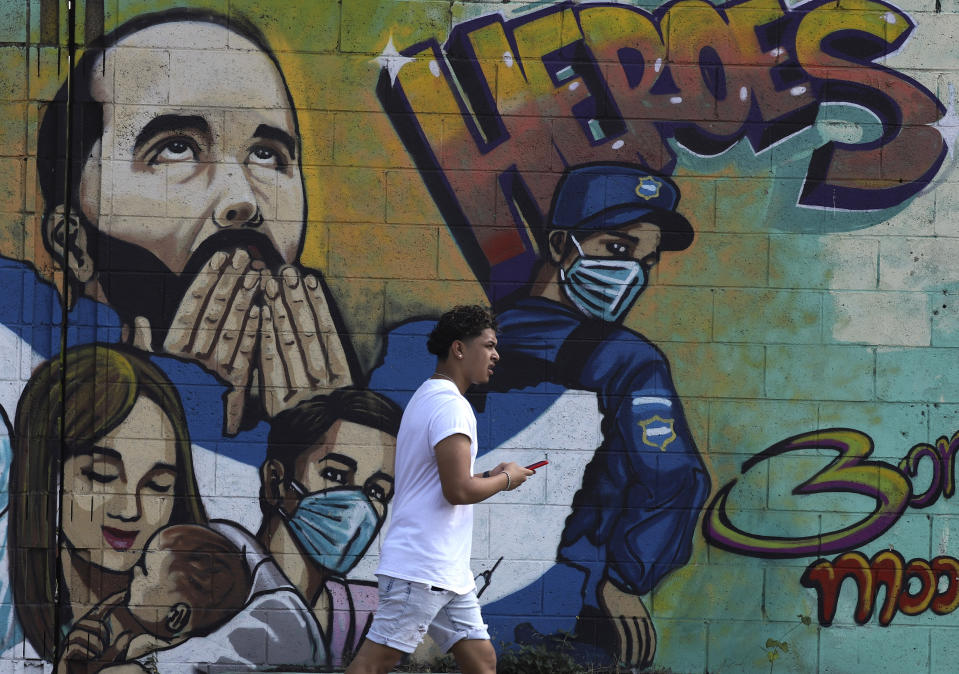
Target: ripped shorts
x,y
407,610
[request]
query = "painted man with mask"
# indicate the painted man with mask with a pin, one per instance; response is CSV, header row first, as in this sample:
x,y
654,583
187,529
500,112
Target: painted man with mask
x,y
634,516
632,520
325,489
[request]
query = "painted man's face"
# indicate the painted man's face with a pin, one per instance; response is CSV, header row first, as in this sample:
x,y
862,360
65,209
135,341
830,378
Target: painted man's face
x,y
636,241
199,141
603,272
351,455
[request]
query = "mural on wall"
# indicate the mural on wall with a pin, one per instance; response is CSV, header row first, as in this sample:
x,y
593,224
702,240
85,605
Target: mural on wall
x,y
633,517
214,284
199,436
138,567
543,113
893,491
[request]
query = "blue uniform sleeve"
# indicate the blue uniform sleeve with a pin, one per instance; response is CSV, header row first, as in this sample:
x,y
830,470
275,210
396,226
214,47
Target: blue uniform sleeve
x,y
643,490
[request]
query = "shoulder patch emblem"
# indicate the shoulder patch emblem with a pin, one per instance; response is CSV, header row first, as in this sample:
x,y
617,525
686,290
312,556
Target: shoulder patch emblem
x,y
658,432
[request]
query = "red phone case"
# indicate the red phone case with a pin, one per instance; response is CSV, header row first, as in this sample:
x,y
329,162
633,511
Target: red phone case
x,y
534,466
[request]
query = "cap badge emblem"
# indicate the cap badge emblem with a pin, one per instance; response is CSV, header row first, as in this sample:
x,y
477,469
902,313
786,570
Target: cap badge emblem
x,y
648,188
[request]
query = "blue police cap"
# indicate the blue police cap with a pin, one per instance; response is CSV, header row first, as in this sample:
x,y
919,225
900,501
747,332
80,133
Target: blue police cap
x,y
592,197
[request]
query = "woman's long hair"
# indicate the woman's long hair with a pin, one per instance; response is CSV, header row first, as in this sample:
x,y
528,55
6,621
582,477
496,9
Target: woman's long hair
x,y
90,391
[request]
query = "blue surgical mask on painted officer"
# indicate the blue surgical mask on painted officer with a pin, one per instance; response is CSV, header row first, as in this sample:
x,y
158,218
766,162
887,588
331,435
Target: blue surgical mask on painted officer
x,y
334,526
601,287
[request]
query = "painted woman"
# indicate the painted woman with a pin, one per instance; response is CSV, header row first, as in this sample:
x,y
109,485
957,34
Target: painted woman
x,y
103,430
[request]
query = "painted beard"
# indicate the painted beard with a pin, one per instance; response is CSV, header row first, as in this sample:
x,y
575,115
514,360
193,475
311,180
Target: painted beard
x,y
137,283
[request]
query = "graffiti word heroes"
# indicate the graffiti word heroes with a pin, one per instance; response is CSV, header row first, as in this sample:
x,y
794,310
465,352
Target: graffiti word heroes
x,y
492,115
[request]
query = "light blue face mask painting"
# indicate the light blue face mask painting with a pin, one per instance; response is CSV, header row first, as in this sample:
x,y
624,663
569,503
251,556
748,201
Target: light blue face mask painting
x,y
601,287
10,632
334,526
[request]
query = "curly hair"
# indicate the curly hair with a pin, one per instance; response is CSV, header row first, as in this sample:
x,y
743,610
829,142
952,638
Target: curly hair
x,y
461,322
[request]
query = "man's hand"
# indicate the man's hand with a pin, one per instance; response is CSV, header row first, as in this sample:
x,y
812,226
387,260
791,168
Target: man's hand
x,y
288,349
90,646
217,326
499,468
301,354
517,473
145,644
634,627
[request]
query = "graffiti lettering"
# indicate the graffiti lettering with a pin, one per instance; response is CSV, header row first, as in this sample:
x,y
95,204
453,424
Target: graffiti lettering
x,y
886,568
491,115
826,45
847,473
943,458
850,472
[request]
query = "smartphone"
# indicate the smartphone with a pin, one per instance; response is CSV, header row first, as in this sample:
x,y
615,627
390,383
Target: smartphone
x,y
538,464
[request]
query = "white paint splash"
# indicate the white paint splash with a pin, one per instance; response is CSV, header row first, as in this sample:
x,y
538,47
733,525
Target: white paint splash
x,y
392,60
948,126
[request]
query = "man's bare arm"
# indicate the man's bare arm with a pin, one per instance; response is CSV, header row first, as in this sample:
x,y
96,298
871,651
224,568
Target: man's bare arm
x,y
495,471
462,488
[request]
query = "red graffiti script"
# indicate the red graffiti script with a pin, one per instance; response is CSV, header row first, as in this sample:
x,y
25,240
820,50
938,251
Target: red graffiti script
x,y
910,588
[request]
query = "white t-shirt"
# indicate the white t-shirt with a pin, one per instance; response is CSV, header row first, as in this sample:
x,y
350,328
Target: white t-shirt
x,y
429,539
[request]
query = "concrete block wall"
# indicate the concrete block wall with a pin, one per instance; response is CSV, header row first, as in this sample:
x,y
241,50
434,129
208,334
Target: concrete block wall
x,y
247,216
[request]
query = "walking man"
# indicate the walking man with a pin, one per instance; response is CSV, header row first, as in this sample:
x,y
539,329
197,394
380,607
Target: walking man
x,y
425,581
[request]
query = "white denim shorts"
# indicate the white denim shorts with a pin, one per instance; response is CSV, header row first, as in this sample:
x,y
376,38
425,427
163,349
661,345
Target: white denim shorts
x,y
408,610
